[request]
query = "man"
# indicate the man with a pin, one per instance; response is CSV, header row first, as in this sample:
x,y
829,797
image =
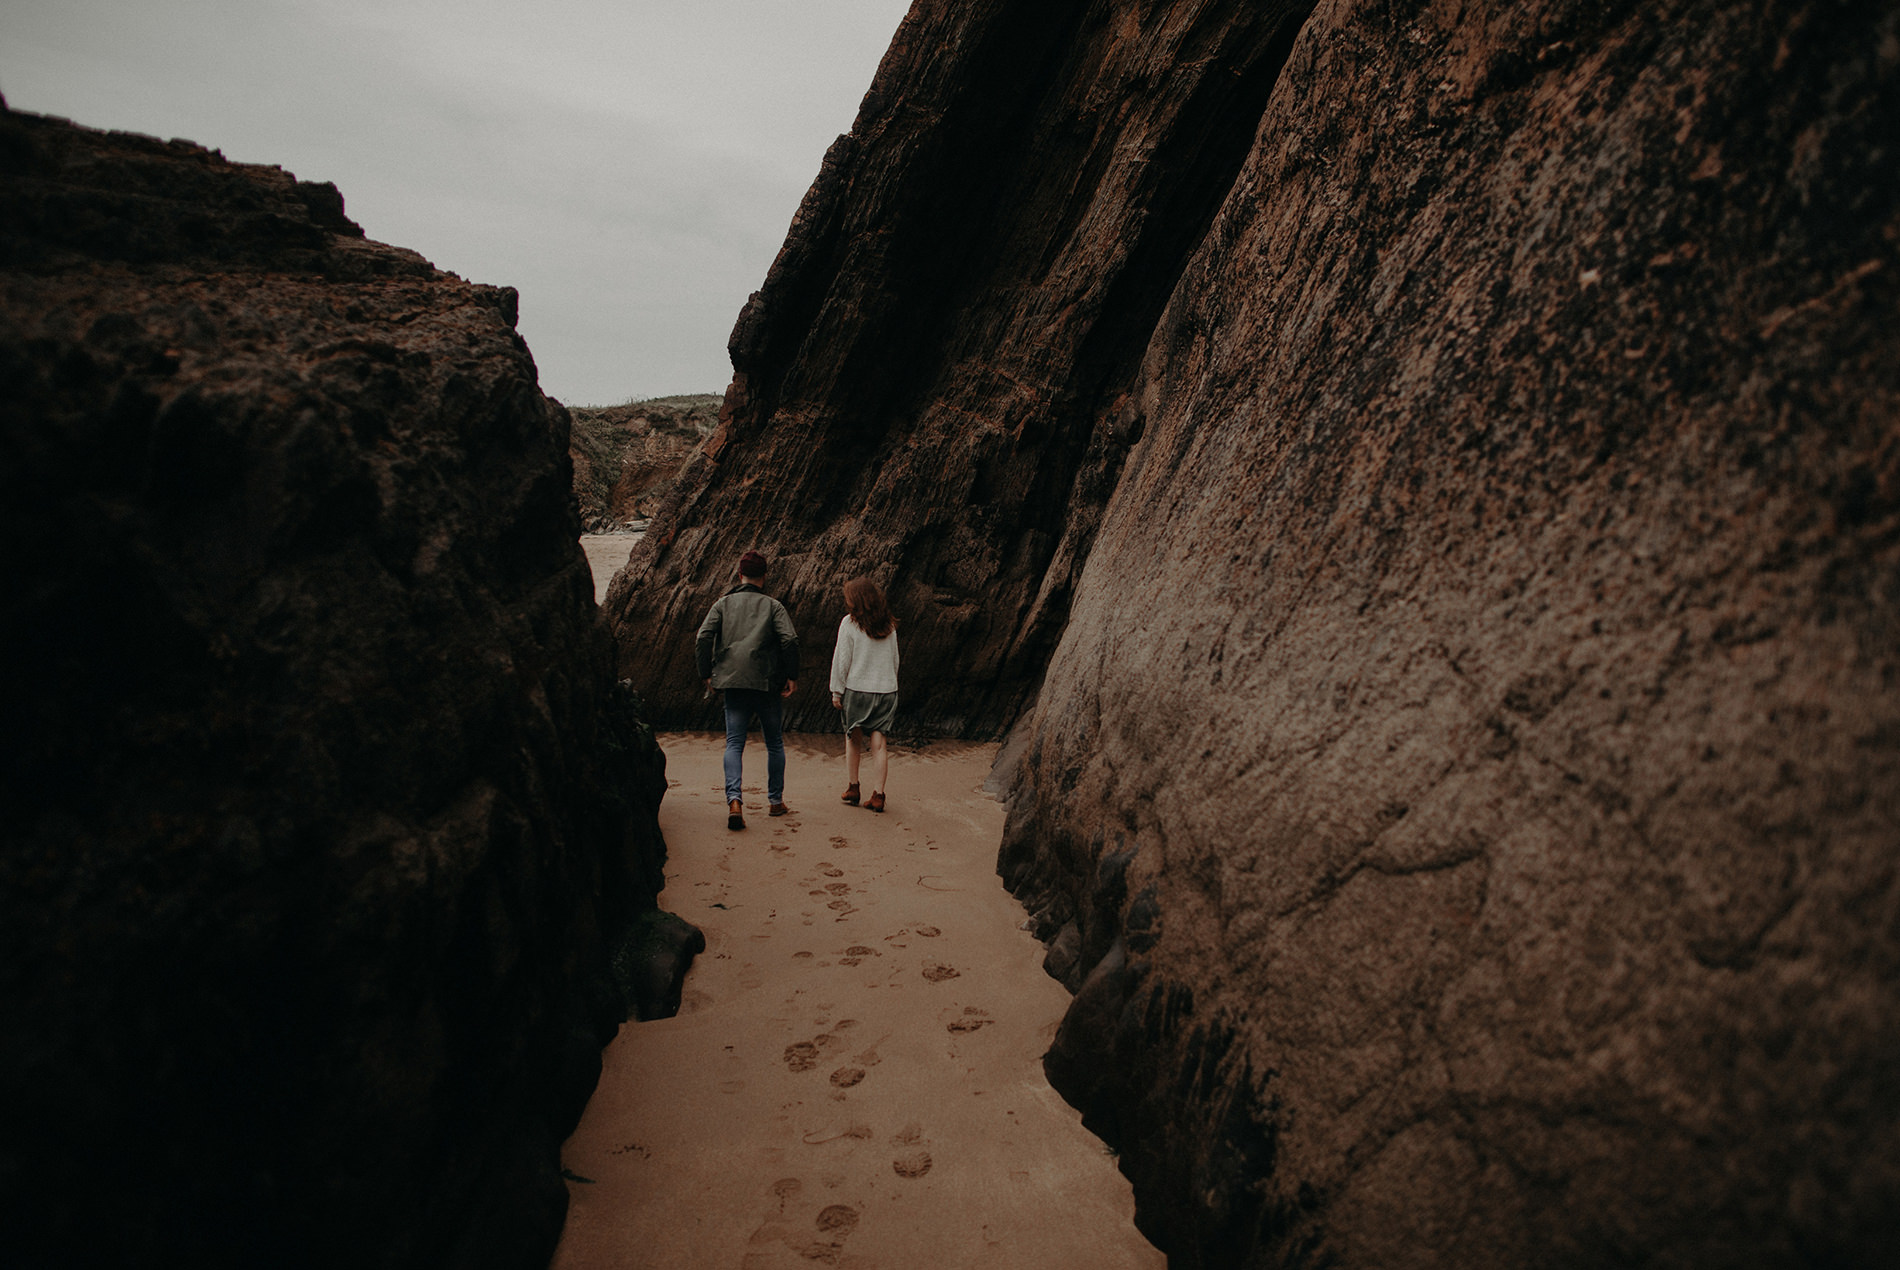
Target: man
x,y
748,650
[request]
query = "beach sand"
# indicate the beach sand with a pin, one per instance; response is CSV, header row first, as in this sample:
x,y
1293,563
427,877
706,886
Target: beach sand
x,y
854,1078
606,553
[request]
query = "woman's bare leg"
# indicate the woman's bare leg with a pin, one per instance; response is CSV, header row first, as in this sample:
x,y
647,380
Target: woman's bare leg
x,y
881,756
851,750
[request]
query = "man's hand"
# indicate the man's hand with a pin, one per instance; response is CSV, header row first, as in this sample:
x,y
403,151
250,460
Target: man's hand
x,y
791,686
837,702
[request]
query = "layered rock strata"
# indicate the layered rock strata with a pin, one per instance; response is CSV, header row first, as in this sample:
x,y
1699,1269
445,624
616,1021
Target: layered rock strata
x,y
324,823
930,387
627,458
1445,458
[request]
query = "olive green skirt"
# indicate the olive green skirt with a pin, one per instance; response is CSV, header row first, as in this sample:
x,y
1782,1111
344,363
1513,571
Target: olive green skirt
x,y
870,711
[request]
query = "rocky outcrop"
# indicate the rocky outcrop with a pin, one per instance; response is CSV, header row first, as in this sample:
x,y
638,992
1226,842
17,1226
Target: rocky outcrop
x,y
931,386
1445,457
627,458
1476,849
323,822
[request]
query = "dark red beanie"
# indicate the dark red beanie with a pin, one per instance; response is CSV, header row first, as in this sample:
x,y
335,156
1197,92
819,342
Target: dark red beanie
x,y
752,565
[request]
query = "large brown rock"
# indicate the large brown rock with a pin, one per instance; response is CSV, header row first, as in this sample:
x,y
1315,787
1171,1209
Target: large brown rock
x,y
1472,764
930,385
1455,446
322,823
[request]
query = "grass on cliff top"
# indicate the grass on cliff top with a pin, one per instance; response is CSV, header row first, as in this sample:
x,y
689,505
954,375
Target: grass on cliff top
x,y
609,427
676,399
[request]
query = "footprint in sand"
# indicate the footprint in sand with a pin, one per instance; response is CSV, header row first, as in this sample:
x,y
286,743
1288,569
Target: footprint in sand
x,y
845,1077
970,1020
839,888
911,1164
802,1056
929,932
822,1241
839,842
937,974
833,1226
856,953
911,1160
830,871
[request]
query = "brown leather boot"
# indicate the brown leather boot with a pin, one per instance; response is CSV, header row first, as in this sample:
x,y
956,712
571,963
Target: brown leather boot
x,y
735,814
778,809
850,794
875,802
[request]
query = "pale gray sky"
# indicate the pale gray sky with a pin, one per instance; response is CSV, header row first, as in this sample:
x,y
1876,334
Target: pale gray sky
x,y
630,165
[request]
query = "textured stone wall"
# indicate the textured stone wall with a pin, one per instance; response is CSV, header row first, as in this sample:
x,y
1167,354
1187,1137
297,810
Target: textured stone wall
x,y
931,386
1467,792
321,821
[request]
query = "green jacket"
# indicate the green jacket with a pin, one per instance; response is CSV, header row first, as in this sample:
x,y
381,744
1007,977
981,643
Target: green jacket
x,y
747,641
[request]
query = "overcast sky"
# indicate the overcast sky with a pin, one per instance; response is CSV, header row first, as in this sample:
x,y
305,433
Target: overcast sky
x,y
630,165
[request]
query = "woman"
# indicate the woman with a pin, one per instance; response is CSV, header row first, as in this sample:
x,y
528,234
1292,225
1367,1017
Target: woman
x,y
864,684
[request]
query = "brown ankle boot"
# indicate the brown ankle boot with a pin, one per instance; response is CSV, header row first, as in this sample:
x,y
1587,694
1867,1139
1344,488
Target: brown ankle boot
x,y
850,794
876,802
735,814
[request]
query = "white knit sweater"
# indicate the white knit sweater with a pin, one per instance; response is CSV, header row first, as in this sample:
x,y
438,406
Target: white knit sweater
x,y
861,663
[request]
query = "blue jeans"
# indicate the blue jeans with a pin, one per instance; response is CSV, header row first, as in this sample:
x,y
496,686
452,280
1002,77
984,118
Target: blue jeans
x,y
741,705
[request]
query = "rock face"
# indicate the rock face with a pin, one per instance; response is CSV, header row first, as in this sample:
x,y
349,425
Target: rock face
x,y
931,387
1466,788
627,458
324,823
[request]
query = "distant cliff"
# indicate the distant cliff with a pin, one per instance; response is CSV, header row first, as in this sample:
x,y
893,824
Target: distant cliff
x,y
328,848
627,458
1435,470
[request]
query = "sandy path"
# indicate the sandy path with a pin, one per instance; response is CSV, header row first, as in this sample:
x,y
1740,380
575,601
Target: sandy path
x,y
606,553
854,1078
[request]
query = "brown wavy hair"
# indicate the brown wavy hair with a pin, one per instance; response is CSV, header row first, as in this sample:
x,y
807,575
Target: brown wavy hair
x,y
869,609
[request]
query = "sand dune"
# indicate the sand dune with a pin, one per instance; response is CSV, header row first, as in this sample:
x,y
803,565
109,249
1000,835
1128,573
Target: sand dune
x,y
854,1078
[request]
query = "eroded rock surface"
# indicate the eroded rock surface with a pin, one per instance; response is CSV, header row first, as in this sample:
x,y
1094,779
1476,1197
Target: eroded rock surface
x,y
1466,794
324,823
627,458
930,387
1455,447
